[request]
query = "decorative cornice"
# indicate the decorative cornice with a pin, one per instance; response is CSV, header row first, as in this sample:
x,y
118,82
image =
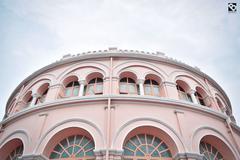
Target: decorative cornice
x,y
177,104
158,56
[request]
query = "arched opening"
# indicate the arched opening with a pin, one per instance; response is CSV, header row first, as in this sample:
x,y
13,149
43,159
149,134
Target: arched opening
x,y
71,144
152,85
183,90
148,143
42,91
94,84
12,150
202,97
212,148
127,83
220,105
27,99
70,87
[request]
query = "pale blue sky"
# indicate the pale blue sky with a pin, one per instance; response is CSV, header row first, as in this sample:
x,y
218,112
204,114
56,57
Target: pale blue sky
x,y
200,33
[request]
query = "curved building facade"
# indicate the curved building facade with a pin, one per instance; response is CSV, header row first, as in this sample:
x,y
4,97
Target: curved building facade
x,y
119,104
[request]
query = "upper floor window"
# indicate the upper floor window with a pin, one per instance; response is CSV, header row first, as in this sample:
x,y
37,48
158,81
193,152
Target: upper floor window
x,y
72,89
127,86
42,91
199,98
27,99
95,86
151,87
183,95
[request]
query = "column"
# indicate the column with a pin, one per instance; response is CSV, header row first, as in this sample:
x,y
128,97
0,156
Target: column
x,y
81,89
194,99
141,89
35,97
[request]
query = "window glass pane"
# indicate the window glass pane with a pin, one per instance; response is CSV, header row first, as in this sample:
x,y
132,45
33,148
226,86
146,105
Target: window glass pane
x,y
58,148
91,90
128,152
78,139
99,80
156,141
135,141
150,149
147,81
99,88
139,153
64,143
147,90
70,84
154,82
54,155
92,81
76,149
132,88
75,91
84,141
142,138
130,80
76,83
89,153
123,80
131,146
70,150
80,154
162,147
64,155
166,154
156,90
123,88
155,154
144,149
68,92
149,139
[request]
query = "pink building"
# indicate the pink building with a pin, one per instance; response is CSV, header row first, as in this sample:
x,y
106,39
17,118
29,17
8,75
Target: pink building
x,y
119,104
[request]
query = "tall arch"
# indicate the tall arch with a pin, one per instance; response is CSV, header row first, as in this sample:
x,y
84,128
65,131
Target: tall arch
x,y
90,127
216,139
127,127
72,143
12,149
147,142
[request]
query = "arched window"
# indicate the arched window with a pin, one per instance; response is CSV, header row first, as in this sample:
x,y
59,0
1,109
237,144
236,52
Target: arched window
x,y
210,152
27,99
183,95
16,153
151,87
146,147
199,98
43,90
127,86
95,86
71,89
74,148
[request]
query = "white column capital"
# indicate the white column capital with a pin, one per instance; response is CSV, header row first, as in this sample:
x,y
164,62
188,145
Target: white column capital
x,y
82,82
140,81
36,95
191,91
